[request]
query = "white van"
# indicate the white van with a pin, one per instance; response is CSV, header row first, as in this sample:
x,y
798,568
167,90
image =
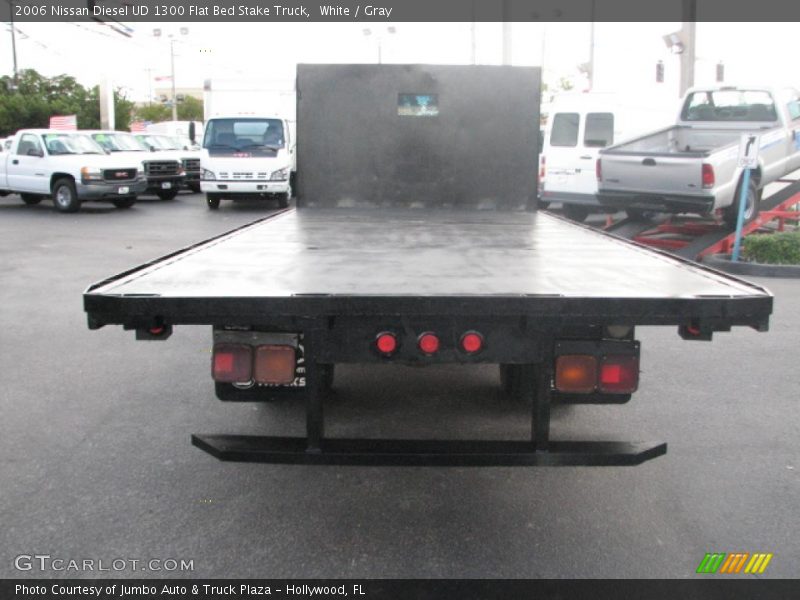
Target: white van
x,y
578,126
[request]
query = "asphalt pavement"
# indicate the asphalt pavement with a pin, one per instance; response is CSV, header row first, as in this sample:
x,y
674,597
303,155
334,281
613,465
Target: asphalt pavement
x,y
95,459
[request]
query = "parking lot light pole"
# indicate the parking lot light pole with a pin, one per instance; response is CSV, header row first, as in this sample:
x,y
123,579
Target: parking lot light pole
x,y
379,38
172,40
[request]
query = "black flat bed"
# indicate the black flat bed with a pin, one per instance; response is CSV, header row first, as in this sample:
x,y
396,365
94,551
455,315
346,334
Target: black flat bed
x,y
370,262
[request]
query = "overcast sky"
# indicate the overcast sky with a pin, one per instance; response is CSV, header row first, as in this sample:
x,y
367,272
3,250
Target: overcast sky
x,y
625,53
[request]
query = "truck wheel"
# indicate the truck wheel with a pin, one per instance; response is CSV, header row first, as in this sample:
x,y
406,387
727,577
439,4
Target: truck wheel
x,y
283,200
31,199
731,214
124,202
65,197
542,204
575,212
212,201
167,194
639,216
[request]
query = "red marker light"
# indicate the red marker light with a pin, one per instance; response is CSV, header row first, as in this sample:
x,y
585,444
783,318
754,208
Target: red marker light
x,y
428,342
619,374
472,342
232,363
386,343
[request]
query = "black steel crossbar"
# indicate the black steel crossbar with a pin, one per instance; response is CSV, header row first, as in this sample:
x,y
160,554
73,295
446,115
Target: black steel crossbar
x,y
455,453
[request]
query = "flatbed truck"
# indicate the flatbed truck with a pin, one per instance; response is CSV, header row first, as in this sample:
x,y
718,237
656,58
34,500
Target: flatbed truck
x,y
416,241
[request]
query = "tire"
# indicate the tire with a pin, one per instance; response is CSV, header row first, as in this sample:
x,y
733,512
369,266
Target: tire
x,y
194,186
167,194
212,201
751,208
31,199
124,202
65,197
542,204
639,216
283,200
575,212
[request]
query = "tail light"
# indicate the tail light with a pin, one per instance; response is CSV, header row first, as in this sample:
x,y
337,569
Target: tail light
x,y
232,363
598,170
708,176
428,343
274,364
619,374
386,343
542,167
576,373
472,342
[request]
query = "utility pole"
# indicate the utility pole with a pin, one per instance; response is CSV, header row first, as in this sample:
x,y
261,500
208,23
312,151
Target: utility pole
x,y
590,74
506,32
172,65
13,41
687,57
149,86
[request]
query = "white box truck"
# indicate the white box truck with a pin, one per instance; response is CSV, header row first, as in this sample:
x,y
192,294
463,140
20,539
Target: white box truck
x,y
249,148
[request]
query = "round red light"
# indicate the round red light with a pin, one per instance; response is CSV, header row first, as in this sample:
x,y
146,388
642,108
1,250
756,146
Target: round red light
x,y
471,342
386,343
428,343
157,330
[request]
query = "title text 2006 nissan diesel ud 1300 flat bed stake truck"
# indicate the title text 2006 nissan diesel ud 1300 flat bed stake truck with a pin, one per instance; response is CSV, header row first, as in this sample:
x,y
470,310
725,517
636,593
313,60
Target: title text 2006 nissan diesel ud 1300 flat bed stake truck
x,y
411,244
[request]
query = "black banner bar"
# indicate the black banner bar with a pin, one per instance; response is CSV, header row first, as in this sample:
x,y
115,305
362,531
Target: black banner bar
x,y
398,10
709,587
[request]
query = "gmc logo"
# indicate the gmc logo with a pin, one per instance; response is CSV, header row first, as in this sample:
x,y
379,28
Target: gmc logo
x,y
121,174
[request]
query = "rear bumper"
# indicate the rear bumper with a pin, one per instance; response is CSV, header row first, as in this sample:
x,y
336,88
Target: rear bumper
x,y
570,198
670,203
244,188
109,191
461,453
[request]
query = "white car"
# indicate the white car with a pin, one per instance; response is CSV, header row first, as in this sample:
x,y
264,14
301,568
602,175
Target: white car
x,y
70,168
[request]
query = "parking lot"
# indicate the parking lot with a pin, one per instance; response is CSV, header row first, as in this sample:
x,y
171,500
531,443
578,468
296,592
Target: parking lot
x,y
96,460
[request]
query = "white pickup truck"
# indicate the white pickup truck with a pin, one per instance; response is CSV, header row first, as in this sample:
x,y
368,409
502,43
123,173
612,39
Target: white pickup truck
x,y
247,157
693,167
68,167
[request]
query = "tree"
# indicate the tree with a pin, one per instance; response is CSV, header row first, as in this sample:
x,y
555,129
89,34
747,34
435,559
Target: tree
x,y
37,98
153,112
191,109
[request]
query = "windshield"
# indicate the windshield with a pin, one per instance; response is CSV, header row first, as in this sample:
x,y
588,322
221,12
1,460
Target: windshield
x,y
70,143
154,141
244,134
729,105
118,142
182,143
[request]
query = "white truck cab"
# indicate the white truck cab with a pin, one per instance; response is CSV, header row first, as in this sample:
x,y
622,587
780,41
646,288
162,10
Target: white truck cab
x,y
248,156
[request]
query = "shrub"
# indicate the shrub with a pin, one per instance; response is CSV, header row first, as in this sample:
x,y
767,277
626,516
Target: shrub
x,y
775,248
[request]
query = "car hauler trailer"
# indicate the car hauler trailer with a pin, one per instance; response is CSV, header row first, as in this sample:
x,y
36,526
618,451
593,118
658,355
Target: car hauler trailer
x,y
416,241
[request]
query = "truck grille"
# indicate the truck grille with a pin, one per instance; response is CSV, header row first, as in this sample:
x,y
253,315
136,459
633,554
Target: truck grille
x,y
119,174
166,167
242,175
191,165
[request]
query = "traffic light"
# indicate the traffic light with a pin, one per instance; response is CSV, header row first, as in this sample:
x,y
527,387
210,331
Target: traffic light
x,y
660,71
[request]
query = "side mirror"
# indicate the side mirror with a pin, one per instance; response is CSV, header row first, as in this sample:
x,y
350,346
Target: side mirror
x,y
192,132
35,152
152,148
